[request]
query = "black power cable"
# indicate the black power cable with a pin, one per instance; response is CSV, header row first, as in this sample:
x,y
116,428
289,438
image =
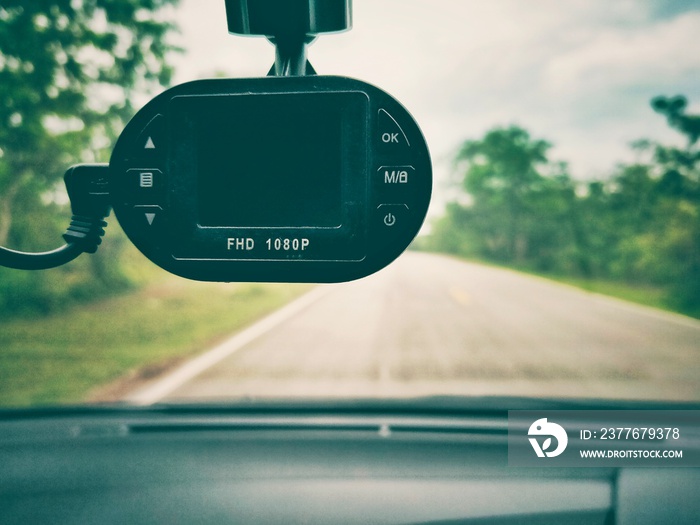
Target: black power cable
x,y
41,260
89,198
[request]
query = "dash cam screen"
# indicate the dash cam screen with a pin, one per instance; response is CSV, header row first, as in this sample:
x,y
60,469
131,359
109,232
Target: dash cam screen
x,y
269,160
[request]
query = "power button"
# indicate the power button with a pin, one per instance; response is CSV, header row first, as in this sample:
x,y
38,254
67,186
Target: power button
x,y
392,216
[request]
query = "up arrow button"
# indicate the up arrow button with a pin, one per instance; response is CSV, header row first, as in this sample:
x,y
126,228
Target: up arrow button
x,y
149,147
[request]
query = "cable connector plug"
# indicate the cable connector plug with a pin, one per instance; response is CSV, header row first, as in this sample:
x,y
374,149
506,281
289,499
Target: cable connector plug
x,y
87,186
89,199
88,189
87,232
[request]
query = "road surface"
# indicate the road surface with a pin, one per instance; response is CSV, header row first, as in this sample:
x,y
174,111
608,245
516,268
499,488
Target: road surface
x,y
431,324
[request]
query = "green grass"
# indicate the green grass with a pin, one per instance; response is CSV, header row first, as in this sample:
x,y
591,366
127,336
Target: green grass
x,y
63,358
644,294
647,295
640,293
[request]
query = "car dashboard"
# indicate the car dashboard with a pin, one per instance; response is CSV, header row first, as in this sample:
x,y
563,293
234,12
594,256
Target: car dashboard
x,y
286,463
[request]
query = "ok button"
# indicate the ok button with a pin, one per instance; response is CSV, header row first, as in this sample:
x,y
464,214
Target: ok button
x,y
392,138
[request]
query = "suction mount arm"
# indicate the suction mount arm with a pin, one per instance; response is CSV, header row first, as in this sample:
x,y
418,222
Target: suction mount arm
x,y
290,25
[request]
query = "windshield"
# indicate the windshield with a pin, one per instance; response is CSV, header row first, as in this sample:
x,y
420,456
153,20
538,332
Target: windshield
x,y
560,257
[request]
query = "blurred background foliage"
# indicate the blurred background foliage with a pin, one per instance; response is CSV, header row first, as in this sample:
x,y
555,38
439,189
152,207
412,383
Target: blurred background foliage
x,y
69,70
639,226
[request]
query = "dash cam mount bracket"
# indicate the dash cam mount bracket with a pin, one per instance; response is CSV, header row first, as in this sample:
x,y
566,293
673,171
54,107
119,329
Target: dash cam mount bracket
x,y
290,25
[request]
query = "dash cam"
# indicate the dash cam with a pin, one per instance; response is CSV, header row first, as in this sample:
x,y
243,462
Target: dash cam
x,y
276,179
293,177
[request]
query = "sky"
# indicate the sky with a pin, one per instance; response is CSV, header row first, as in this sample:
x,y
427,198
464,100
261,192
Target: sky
x,y
577,73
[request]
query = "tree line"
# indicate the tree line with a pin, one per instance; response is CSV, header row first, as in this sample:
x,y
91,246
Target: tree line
x,y
641,225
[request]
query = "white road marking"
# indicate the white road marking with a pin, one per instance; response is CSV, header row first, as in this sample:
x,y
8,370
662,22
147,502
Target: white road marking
x,y
189,370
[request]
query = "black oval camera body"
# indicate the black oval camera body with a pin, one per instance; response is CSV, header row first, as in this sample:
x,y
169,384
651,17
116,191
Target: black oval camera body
x,y
277,179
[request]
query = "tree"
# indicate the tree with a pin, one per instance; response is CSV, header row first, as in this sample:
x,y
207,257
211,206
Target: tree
x,y
640,225
519,197
69,70
673,108
676,238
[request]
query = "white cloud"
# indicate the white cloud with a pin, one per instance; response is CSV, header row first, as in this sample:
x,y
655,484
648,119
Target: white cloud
x,y
613,58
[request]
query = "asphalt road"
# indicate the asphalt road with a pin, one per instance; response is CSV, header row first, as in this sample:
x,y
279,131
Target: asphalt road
x,y
431,325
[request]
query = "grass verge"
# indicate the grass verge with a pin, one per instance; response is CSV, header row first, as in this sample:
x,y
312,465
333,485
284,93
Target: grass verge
x,y
647,295
62,358
644,294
